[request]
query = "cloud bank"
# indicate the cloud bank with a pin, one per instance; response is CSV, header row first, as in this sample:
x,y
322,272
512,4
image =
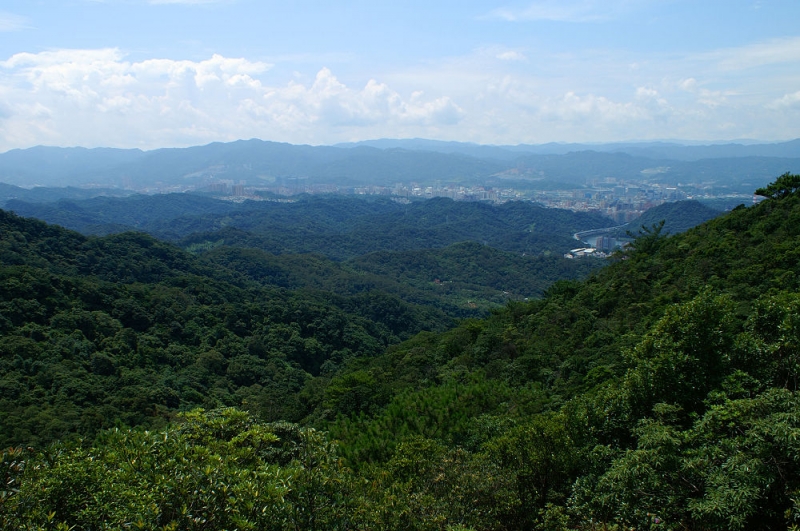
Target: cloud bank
x,y
96,97
99,98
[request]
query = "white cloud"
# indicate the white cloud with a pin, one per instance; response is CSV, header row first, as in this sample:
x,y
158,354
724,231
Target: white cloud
x,y
788,100
96,97
598,110
772,52
10,22
566,10
511,56
688,84
704,96
328,102
495,94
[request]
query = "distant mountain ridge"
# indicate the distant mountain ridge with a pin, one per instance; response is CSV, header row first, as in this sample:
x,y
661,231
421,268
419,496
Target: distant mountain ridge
x,y
387,162
654,150
42,194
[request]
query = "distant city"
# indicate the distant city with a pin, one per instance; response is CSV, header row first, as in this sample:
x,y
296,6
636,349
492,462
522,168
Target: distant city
x,y
621,200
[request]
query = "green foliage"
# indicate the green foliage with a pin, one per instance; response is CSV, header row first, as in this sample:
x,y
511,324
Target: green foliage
x,y
785,185
707,322
541,459
734,468
648,239
678,216
685,355
125,331
660,393
216,470
338,227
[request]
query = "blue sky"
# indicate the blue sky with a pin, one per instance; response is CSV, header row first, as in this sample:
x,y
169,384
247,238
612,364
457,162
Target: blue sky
x,y
139,73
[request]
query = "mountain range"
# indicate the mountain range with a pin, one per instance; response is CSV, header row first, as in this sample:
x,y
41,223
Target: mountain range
x,y
387,162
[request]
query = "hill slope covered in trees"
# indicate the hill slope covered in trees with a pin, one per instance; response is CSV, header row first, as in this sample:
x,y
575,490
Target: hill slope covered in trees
x,y
661,393
126,329
678,217
339,227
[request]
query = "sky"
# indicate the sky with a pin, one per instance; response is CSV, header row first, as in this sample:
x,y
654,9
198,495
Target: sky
x,y
172,73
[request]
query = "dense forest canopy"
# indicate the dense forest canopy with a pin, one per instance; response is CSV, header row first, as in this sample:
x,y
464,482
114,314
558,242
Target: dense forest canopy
x,y
125,330
339,227
659,393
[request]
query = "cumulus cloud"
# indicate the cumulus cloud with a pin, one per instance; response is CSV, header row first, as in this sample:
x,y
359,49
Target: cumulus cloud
x,y
493,95
788,100
704,96
97,97
331,103
575,108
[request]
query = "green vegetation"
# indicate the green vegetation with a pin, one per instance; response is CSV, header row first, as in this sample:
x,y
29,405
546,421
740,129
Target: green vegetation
x,y
660,393
353,245
338,227
783,186
126,330
679,216
463,280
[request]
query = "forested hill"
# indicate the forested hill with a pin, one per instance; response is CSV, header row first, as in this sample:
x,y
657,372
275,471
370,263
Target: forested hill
x,y
339,227
678,217
465,279
124,330
661,393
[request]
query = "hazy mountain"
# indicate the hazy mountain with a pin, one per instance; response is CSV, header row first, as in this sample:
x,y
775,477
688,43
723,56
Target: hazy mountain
x,y
41,194
53,166
655,150
505,153
107,215
386,162
252,160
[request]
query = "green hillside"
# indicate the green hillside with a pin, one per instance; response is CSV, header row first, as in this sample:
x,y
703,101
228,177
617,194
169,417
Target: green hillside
x,y
678,217
126,330
339,227
660,393
466,279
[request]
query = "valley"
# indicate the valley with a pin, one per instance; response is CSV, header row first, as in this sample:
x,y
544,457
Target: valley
x,y
354,362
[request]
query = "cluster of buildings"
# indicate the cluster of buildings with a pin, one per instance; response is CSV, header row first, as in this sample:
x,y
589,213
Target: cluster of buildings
x,y
455,192
230,190
583,252
229,187
621,201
